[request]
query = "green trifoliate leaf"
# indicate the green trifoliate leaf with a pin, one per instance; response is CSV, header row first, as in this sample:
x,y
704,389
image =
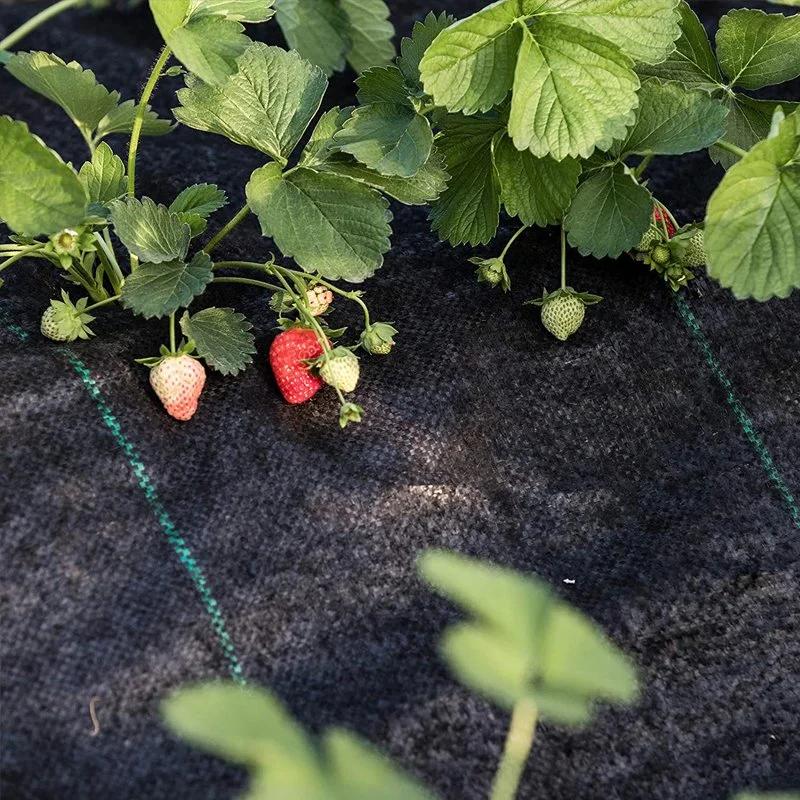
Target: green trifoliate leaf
x,y
370,33
267,104
390,138
672,120
328,223
222,337
361,773
470,65
151,232
104,175
537,190
239,10
202,199
572,91
609,214
757,49
317,29
158,290
692,63
382,84
412,49
120,120
752,236
39,193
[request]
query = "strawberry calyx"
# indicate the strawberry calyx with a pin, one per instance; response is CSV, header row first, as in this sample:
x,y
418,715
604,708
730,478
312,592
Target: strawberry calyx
x,y
492,271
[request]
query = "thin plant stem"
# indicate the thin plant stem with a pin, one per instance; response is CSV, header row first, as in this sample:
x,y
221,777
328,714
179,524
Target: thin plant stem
x,y
249,281
563,258
104,242
101,303
172,332
35,21
731,148
227,228
638,171
512,240
516,751
21,254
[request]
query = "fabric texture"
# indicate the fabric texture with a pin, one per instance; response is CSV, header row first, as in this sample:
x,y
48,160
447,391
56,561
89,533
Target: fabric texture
x,y
616,466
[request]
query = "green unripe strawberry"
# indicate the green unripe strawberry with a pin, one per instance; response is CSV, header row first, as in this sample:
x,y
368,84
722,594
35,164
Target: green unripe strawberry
x,y
660,255
563,315
65,321
695,256
51,327
651,238
378,338
340,370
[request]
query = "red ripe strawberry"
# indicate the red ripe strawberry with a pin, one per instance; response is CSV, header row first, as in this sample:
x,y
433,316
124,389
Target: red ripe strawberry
x,y
178,382
659,215
286,356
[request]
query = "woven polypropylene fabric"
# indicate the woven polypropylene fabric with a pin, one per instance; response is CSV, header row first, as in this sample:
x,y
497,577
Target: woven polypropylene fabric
x,y
614,466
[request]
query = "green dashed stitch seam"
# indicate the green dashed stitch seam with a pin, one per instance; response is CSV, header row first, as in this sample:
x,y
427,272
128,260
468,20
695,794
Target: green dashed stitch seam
x,y
744,419
177,542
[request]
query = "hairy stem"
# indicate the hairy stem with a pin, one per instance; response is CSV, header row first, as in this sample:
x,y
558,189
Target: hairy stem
x,y
512,240
101,303
563,258
515,753
638,171
116,276
731,148
227,228
21,254
35,21
172,332
249,281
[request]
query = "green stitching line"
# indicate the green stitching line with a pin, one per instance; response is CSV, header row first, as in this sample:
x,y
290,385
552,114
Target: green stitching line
x,y
173,537
739,410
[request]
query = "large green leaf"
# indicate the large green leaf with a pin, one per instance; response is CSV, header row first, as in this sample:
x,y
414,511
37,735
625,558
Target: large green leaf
x,y
390,138
470,65
692,62
469,209
573,91
370,33
317,29
537,190
752,235
158,290
39,193
151,232
672,120
239,10
609,214
267,104
104,175
382,85
413,48
756,49
222,337
328,223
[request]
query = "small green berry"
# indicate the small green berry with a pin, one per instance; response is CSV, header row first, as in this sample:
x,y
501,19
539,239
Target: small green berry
x,y
660,255
563,315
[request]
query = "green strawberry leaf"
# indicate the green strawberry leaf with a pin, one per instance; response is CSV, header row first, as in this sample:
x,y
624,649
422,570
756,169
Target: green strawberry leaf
x,y
197,223
317,29
752,238
222,337
202,199
469,209
756,49
370,33
672,120
382,84
266,105
158,290
412,49
104,176
39,193
320,145
573,91
151,232
349,221
609,214
692,63
470,65
390,138
537,190
120,120
239,10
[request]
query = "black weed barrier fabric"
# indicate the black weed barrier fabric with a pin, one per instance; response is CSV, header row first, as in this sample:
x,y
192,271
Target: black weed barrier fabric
x,y
645,468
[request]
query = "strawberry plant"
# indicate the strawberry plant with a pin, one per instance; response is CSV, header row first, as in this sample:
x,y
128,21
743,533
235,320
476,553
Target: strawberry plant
x,y
521,648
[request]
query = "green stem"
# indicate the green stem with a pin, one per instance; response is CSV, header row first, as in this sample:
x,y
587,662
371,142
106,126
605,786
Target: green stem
x,y
638,171
306,315
115,275
233,223
35,21
21,254
248,281
665,210
172,333
101,303
512,240
731,148
563,258
517,748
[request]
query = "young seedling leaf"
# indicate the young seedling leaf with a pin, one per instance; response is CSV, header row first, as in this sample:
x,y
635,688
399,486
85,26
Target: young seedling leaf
x,y
39,193
104,176
470,65
151,232
370,33
412,49
609,214
756,49
752,237
120,120
317,29
692,63
469,209
537,190
267,104
349,221
573,91
390,138
201,198
239,10
222,337
672,120
382,85
158,290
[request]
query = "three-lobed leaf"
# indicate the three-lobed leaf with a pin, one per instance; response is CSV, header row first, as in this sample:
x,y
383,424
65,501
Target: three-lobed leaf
x,y
222,337
151,232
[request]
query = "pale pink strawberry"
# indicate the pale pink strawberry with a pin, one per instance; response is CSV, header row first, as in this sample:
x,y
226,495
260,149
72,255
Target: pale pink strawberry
x,y
178,382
